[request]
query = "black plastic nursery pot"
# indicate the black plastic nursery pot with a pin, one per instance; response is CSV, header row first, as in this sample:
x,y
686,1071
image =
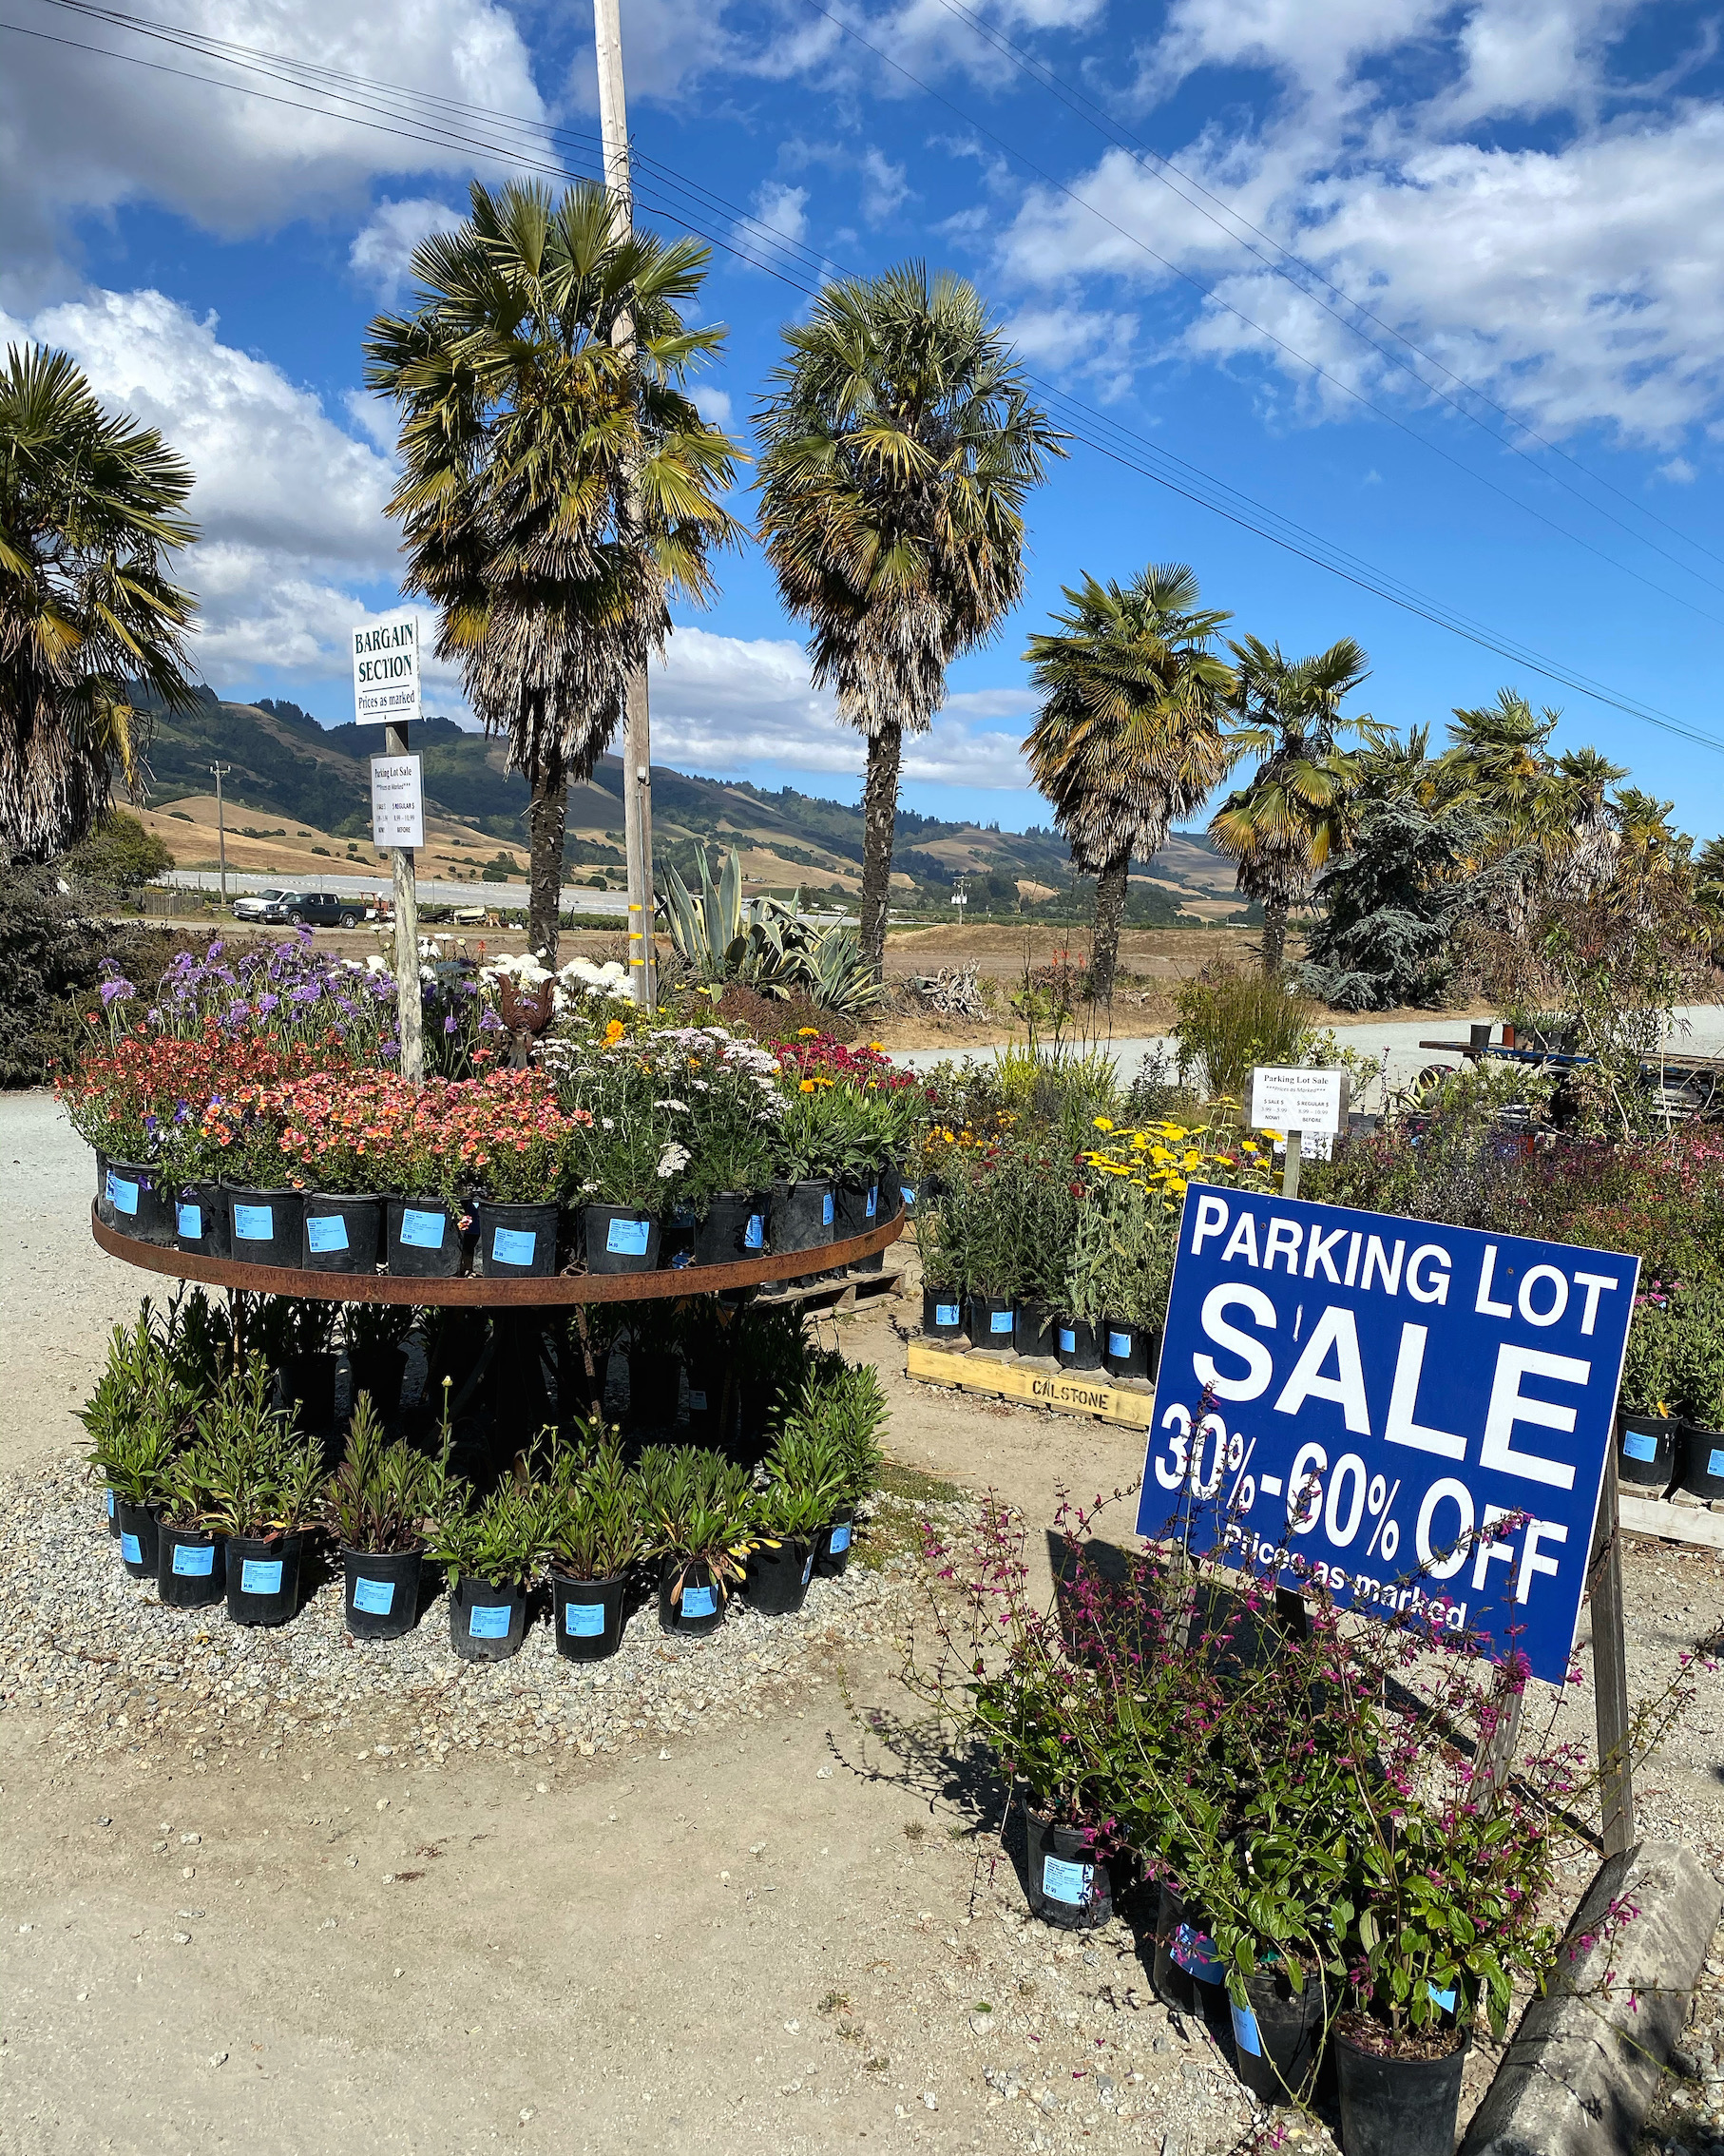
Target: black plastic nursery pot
x,y
308,1390
590,1616
618,1239
425,1242
141,1203
941,1314
1278,2038
691,1596
265,1227
1186,1971
516,1242
1069,1883
1646,1450
486,1622
1036,1323
856,1205
381,1371
382,1598
342,1232
200,1220
779,1574
1125,1348
263,1578
1076,1346
993,1321
1700,1461
735,1229
801,1215
833,1543
138,1538
1396,2106
191,1567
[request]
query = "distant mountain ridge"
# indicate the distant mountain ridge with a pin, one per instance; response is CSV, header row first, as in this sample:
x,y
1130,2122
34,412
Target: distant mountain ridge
x,y
283,764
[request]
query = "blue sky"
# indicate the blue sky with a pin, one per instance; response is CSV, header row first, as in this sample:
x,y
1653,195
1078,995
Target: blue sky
x,y
1527,195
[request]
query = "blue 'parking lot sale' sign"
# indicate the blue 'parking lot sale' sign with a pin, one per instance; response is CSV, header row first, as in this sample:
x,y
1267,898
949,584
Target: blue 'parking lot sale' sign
x,y
1416,1418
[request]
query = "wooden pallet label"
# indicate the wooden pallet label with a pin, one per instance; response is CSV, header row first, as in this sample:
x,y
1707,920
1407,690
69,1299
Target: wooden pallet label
x,y
1042,1388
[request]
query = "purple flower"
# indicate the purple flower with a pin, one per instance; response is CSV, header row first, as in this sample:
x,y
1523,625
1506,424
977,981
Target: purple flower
x,y
305,993
117,986
267,1003
449,1025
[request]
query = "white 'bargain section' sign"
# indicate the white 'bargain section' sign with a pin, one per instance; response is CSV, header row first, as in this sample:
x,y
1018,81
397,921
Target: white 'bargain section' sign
x,y
385,671
397,801
1306,1100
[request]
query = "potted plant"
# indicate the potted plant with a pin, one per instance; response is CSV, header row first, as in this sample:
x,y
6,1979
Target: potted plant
x,y
138,1418
333,1137
426,1226
624,1165
595,1535
296,1335
941,1247
699,1513
1698,1377
807,1146
512,1140
803,1484
191,1558
1649,1430
264,1481
377,1505
376,1336
722,1106
265,1214
490,1549
1126,1243
842,1406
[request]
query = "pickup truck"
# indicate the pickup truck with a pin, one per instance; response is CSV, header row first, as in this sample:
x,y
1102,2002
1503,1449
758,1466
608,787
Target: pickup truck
x,y
301,909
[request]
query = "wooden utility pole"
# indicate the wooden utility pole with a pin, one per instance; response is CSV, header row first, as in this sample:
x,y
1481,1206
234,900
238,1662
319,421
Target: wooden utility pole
x,y
409,1006
220,770
636,717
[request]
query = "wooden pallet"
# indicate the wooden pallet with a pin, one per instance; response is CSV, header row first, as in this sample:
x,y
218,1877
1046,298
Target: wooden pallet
x,y
854,1291
1672,1523
1036,1382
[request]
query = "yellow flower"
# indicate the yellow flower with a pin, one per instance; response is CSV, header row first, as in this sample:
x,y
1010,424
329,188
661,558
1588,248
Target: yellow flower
x,y
877,1048
1103,1124
807,1032
614,1033
807,1086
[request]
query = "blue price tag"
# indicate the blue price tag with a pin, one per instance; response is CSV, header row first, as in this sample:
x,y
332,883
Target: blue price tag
x,y
259,1577
873,1202
1068,1340
826,1210
489,1620
1715,1464
584,1619
514,1245
1194,1951
907,1192
254,1224
1444,1999
999,1320
325,1231
122,1193
110,1504
838,1540
129,1549
190,1219
754,1235
946,1314
808,1568
193,1562
376,1597
1245,2031
1064,1881
1639,1444
1118,1345
699,1601
627,1238
422,1231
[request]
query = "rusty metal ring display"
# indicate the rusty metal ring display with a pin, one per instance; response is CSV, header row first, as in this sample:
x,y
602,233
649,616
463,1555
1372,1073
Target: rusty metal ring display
x,y
481,1292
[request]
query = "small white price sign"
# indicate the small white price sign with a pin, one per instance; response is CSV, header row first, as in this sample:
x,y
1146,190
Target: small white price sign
x,y
1310,1102
397,801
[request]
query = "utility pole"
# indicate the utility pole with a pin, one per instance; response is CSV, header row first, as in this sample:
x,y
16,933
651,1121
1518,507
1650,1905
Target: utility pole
x,y
220,770
636,718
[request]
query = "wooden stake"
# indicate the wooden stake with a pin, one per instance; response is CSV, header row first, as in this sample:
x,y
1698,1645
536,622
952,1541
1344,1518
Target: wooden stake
x,y
1610,1672
1290,1175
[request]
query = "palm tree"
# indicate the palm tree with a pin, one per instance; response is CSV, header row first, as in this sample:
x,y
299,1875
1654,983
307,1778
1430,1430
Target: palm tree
x,y
555,489
1130,732
89,508
900,444
1284,825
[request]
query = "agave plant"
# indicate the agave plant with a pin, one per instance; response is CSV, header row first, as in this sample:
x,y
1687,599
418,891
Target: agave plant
x,y
766,942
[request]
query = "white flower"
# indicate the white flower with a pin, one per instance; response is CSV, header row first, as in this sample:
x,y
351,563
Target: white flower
x,y
682,1106
375,965
673,1159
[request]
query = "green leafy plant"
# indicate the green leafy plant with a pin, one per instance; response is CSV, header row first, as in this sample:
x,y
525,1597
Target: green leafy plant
x,y
595,1526
381,1496
498,1539
699,1510
842,1405
805,1480
1121,1255
368,1327
1228,1021
1650,1378
258,1476
284,1327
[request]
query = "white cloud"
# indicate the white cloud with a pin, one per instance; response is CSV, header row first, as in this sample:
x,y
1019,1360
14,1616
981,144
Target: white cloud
x,y
781,208
1678,471
883,186
289,507
720,703
82,134
713,405
382,251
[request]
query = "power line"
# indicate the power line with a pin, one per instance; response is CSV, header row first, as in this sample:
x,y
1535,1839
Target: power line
x,y
1159,167
1121,445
